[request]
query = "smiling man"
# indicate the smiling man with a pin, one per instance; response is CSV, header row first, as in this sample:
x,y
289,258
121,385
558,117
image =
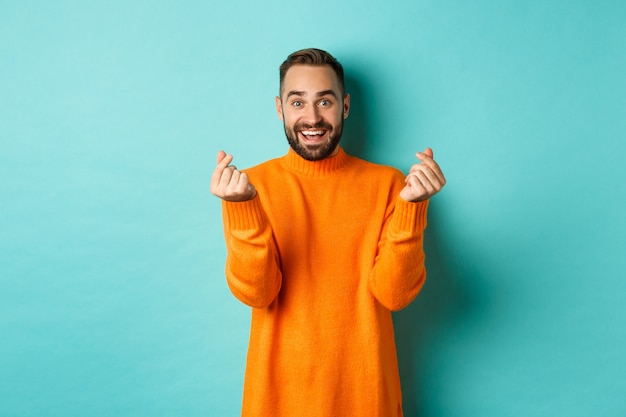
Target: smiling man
x,y
315,106
323,246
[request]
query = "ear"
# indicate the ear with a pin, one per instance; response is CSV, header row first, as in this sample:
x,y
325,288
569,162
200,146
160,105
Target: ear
x,y
346,106
279,108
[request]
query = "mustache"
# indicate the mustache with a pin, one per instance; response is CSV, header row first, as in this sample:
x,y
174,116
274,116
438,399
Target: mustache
x,y
307,126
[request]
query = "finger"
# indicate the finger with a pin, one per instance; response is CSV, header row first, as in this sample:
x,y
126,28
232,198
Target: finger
x,y
221,165
227,159
239,188
430,162
242,183
244,180
234,179
426,155
426,172
417,190
245,186
426,182
225,178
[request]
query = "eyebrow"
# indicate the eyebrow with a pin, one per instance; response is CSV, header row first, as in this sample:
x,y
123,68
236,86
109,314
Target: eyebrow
x,y
319,94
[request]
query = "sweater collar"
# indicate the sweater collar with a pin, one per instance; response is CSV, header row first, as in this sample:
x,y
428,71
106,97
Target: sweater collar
x,y
294,162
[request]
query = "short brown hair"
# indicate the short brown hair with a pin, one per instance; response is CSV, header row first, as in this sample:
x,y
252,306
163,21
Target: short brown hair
x,y
312,56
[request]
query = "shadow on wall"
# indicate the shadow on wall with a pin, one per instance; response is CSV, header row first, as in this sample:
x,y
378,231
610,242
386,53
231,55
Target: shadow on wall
x,y
354,139
445,301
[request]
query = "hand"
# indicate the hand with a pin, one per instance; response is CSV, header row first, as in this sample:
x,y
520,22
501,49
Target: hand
x,y
424,180
228,183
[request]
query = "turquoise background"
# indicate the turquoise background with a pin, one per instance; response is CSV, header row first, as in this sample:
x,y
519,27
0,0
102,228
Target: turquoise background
x,y
112,294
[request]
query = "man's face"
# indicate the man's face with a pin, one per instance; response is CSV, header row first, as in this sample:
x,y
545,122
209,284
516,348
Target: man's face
x,y
312,109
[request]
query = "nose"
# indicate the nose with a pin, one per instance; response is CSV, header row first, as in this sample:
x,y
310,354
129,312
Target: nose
x,y
313,115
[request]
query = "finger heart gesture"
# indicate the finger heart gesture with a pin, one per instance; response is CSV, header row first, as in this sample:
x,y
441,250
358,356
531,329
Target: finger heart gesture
x,y
424,180
228,182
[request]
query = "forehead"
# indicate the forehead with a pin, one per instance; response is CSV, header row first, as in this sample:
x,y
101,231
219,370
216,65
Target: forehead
x,y
310,79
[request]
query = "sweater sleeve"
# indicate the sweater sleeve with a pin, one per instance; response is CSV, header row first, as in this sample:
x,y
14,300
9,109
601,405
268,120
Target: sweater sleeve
x,y
399,272
252,265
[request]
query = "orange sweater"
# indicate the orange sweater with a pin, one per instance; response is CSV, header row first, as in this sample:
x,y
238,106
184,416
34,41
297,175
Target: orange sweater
x,y
323,254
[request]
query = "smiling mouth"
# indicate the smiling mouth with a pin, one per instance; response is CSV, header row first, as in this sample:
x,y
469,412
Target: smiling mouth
x,y
313,135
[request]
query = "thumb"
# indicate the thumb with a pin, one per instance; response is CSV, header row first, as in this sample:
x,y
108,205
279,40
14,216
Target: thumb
x,y
220,155
429,152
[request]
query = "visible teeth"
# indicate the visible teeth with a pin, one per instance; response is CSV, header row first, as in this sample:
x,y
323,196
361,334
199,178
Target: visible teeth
x,y
312,132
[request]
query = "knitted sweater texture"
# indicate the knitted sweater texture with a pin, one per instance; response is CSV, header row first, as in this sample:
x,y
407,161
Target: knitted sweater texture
x,y
323,254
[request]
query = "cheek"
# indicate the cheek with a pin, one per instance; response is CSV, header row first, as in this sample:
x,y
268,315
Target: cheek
x,y
336,118
288,119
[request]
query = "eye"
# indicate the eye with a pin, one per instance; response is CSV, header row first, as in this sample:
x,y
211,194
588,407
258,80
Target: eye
x,y
296,103
325,103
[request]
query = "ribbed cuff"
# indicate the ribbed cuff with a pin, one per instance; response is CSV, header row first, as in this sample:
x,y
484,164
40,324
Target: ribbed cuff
x,y
244,215
409,216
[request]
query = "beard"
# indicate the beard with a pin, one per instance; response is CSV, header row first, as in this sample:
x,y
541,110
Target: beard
x,y
318,151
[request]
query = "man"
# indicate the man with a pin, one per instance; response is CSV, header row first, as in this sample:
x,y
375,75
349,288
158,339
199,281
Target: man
x,y
322,246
